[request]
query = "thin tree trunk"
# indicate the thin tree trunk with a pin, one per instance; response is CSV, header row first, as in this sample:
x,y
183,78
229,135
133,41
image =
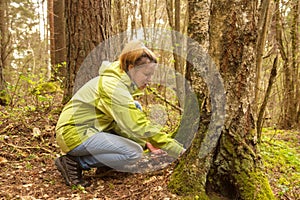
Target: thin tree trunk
x,y
51,30
119,21
3,42
263,27
262,109
294,108
143,19
284,121
59,31
58,56
173,11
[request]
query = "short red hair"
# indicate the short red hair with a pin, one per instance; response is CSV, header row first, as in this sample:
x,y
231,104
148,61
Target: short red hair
x,y
133,53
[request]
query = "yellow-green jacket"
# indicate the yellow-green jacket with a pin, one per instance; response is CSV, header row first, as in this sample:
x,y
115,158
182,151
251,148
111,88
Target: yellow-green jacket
x,y
106,104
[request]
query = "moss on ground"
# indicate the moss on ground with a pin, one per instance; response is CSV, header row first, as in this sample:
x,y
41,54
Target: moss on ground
x,y
281,154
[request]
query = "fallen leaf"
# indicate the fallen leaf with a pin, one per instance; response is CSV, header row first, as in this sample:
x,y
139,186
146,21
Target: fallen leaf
x,y
36,132
3,160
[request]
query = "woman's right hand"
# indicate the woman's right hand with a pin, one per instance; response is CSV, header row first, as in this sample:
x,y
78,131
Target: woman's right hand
x,y
155,150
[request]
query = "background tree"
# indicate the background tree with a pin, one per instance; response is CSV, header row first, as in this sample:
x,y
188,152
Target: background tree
x,y
290,55
3,41
84,33
56,21
51,30
59,31
263,27
174,17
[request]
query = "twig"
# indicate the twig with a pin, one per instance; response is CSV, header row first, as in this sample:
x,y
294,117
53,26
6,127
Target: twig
x,y
164,99
27,147
6,128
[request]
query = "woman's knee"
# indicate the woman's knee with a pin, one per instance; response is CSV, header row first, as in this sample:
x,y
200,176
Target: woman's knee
x,y
135,154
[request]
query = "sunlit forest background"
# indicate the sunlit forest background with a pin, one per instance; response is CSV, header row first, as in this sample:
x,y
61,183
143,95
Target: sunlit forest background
x,y
26,52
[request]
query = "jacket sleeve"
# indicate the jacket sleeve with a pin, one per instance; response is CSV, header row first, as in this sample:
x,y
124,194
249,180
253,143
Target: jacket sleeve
x,y
132,123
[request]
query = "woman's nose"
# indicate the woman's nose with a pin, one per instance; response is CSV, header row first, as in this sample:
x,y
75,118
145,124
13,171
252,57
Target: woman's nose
x,y
149,78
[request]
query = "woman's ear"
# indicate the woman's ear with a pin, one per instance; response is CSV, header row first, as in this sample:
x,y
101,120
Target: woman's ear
x,y
130,67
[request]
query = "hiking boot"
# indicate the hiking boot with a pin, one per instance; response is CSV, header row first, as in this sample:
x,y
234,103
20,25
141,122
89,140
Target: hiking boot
x,y
70,170
103,170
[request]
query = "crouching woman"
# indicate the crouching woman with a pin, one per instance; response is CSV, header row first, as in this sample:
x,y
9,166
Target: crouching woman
x,y
102,125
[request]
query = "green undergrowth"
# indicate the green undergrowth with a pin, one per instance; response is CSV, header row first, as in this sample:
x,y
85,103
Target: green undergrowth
x,y
280,150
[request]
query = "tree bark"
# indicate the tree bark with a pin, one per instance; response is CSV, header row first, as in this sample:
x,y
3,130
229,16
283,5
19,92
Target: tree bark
x,y
236,171
233,170
88,23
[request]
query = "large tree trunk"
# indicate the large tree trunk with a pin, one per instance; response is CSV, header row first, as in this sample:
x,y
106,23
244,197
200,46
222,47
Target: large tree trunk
x,y
88,23
237,172
233,170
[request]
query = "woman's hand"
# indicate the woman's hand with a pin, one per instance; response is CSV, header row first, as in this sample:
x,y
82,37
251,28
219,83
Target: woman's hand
x,y
155,150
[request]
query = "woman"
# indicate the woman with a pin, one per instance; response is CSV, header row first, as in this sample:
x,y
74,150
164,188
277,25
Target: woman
x,y
102,125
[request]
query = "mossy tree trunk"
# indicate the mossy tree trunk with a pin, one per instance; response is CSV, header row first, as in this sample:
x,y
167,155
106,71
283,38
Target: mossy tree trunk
x,y
190,176
233,170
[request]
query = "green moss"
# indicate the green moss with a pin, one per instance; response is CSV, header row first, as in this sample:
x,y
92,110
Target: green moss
x,y
254,186
45,88
185,182
189,178
4,98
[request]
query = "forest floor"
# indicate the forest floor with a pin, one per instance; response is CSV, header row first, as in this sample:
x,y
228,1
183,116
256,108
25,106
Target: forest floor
x,y
28,150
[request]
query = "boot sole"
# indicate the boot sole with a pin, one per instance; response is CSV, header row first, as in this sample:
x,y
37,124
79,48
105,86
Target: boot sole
x,y
63,172
61,169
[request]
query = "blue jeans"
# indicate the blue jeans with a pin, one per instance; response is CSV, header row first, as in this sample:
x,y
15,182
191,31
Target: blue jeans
x,y
106,149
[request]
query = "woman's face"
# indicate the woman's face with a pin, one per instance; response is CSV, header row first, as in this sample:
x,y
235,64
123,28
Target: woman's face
x,y
141,75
